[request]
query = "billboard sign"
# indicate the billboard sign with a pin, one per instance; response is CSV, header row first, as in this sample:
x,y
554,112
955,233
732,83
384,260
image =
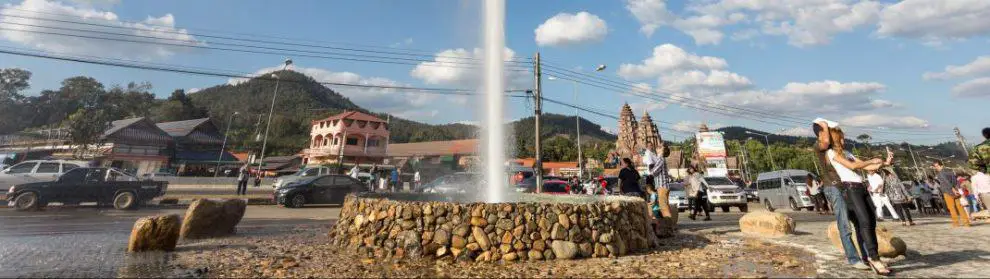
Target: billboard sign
x,y
711,147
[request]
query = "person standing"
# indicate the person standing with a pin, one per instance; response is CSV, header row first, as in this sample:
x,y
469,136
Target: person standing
x,y
242,180
981,188
629,179
374,177
814,191
355,171
394,181
834,190
697,192
416,180
947,185
879,197
657,168
979,156
863,218
899,196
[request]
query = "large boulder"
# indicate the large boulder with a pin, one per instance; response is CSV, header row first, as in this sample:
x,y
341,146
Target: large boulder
x,y
767,223
155,233
888,245
668,225
564,249
207,218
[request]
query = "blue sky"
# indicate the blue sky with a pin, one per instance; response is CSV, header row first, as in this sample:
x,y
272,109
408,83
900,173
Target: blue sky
x,y
876,66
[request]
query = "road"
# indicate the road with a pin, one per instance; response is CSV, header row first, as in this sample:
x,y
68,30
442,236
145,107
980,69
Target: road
x,y
91,242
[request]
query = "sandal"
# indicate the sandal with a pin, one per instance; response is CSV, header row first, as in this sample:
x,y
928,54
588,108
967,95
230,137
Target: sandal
x,y
879,267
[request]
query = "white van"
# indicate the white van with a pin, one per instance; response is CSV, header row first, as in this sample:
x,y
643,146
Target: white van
x,y
781,188
37,171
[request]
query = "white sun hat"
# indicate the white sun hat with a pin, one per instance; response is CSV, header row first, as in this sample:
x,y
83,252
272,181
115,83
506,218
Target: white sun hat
x,y
829,123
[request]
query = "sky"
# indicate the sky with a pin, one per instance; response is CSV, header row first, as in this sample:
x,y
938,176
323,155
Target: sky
x,y
908,70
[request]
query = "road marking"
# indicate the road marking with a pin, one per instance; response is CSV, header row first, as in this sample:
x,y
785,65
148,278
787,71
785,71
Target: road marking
x,y
34,216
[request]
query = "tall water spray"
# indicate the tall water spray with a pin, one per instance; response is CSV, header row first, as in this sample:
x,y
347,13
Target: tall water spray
x,y
494,129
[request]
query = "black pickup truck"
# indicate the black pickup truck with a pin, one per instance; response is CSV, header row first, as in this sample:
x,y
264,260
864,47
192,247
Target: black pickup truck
x,y
101,185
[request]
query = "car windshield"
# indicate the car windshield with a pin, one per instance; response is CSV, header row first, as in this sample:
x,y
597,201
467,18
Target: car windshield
x,y
118,175
675,186
718,181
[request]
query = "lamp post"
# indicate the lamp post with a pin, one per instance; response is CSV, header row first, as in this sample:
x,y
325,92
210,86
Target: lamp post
x,y
230,121
766,138
577,121
271,111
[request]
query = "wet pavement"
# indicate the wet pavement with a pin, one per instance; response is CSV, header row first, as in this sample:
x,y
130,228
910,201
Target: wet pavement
x,y
92,242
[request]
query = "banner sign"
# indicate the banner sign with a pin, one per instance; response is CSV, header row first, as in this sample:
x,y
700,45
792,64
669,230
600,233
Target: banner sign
x,y
711,147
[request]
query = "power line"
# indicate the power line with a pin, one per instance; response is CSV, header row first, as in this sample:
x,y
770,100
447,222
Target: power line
x,y
282,54
392,51
627,88
227,75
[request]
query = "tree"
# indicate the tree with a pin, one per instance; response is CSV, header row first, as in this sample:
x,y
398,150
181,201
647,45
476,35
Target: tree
x,y
865,139
12,82
178,107
86,126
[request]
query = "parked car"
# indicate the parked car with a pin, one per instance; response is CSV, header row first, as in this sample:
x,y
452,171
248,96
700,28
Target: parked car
x,y
527,185
459,182
157,174
100,185
37,171
555,187
723,193
324,189
677,197
784,188
301,174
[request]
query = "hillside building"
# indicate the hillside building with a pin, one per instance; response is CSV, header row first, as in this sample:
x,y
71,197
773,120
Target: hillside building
x,y
349,138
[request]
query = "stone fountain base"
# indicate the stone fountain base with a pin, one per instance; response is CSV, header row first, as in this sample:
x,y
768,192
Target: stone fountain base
x,y
536,227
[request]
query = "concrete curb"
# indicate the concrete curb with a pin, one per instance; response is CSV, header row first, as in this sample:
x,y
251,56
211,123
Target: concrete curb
x,y
189,200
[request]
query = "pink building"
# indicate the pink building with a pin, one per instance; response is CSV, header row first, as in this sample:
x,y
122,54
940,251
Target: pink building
x,y
352,136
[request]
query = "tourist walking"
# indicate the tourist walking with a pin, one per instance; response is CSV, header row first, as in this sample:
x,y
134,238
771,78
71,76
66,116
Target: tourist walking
x,y
629,179
879,197
243,175
947,185
697,191
394,181
897,195
863,217
834,190
355,171
416,180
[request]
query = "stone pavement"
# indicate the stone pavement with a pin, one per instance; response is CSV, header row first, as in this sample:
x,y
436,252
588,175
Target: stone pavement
x,y
934,248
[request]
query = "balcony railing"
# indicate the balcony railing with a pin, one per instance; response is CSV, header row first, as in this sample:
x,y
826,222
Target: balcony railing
x,y
350,150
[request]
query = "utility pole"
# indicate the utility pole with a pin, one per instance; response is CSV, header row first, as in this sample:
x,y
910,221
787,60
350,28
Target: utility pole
x,y
577,119
538,96
962,142
917,169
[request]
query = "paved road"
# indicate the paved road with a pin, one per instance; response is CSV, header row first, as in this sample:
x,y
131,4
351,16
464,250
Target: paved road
x,y
934,249
91,242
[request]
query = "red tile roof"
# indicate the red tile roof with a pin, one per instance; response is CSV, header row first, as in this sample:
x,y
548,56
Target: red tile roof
x,y
353,115
434,148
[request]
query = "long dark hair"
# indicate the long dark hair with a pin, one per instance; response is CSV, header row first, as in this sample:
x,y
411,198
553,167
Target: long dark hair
x,y
628,163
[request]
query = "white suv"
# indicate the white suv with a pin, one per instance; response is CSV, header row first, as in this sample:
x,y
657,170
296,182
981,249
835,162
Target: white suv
x,y
723,193
37,171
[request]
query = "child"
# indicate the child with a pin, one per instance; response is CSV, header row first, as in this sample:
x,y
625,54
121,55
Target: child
x,y
654,207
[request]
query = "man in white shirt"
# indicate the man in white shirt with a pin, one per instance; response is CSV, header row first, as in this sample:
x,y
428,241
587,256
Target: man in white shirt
x,y
658,170
354,172
416,180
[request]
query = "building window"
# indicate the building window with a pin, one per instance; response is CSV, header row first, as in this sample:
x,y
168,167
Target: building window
x,y
352,141
372,142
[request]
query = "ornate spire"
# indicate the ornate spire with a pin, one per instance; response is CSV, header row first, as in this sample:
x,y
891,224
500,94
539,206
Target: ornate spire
x,y
649,134
628,128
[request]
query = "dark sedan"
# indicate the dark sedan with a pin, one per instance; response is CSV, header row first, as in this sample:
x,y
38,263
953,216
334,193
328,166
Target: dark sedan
x,y
326,189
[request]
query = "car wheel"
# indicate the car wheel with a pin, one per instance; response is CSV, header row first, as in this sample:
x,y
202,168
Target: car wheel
x,y
768,206
744,208
794,205
297,201
26,201
125,200
725,208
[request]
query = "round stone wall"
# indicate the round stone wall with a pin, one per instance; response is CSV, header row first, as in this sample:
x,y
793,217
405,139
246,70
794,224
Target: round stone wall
x,y
537,227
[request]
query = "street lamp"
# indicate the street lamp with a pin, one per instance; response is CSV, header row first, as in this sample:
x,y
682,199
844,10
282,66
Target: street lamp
x,y
230,121
766,137
577,120
271,111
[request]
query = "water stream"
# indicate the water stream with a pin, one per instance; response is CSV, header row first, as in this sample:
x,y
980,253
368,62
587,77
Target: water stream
x,y
493,128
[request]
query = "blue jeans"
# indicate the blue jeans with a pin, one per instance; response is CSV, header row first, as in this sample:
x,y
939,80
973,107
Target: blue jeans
x,y
838,204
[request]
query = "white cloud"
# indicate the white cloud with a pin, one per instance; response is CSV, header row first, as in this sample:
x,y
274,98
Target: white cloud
x,y
193,90
452,67
151,26
569,29
815,97
796,132
651,14
887,121
394,101
693,126
979,87
979,66
805,23
669,58
403,43
936,19
711,83
418,114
